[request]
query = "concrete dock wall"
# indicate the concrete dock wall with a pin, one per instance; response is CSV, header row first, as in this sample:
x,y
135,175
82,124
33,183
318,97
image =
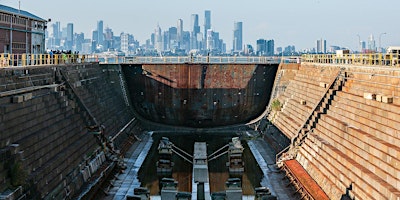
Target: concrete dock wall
x,y
353,148
45,145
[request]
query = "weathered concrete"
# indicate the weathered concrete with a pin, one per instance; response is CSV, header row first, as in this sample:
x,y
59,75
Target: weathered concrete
x,y
353,149
44,140
45,111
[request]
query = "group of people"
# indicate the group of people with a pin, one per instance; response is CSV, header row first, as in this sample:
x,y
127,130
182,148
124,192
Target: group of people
x,y
64,56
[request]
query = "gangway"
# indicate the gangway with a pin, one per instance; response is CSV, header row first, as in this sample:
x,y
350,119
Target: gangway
x,y
200,179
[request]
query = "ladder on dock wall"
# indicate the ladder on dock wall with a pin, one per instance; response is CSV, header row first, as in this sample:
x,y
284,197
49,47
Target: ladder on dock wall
x,y
122,82
310,123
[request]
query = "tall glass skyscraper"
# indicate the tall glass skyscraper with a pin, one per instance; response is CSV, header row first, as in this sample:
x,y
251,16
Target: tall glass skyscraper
x,y
180,31
238,36
70,35
100,32
207,22
195,31
57,33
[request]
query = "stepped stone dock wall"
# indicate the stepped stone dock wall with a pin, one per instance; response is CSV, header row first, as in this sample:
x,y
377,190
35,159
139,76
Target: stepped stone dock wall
x,y
344,125
47,149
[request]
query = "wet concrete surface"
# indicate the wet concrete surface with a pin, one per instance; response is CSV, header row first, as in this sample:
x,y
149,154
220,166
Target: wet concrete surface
x,y
182,170
260,172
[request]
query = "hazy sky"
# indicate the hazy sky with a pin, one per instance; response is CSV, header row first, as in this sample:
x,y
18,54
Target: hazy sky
x,y
288,22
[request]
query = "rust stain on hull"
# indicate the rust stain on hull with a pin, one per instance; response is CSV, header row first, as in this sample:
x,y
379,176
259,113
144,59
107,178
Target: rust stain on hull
x,y
199,95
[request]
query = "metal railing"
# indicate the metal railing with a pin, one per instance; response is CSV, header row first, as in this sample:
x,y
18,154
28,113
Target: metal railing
x,y
182,59
377,59
10,60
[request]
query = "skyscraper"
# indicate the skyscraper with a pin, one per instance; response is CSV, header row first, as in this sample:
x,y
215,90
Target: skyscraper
x,y
108,38
124,42
210,40
371,43
238,36
265,47
261,47
95,36
100,32
158,39
70,35
79,40
172,37
180,32
321,46
207,22
57,33
270,47
195,30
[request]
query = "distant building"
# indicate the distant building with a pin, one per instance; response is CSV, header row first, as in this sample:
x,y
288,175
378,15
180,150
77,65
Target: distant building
x,y
371,44
333,49
238,36
207,23
321,46
186,41
56,33
195,31
79,40
124,42
279,49
21,31
265,47
173,38
180,32
158,39
289,50
363,45
70,36
210,40
248,50
100,32
108,39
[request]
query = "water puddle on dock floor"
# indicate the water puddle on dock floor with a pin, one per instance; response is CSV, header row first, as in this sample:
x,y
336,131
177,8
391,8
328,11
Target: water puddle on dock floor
x,y
182,170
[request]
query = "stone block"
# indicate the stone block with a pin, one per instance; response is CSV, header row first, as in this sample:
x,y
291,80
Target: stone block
x,y
370,96
27,96
324,85
379,97
387,99
18,99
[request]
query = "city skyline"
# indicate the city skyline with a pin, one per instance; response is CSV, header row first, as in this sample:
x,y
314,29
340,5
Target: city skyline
x,y
294,23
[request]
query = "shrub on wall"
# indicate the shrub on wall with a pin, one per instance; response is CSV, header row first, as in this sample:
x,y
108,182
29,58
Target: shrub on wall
x,y
276,105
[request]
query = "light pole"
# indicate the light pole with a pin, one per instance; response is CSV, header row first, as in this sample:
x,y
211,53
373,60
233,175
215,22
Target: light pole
x,y
380,35
359,43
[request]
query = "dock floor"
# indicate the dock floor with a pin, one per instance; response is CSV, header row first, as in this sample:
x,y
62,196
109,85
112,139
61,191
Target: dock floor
x,y
265,157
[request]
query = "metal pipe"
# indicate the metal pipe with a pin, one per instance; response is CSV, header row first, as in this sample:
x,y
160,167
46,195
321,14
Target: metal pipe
x,y
123,129
215,152
217,156
177,153
182,151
